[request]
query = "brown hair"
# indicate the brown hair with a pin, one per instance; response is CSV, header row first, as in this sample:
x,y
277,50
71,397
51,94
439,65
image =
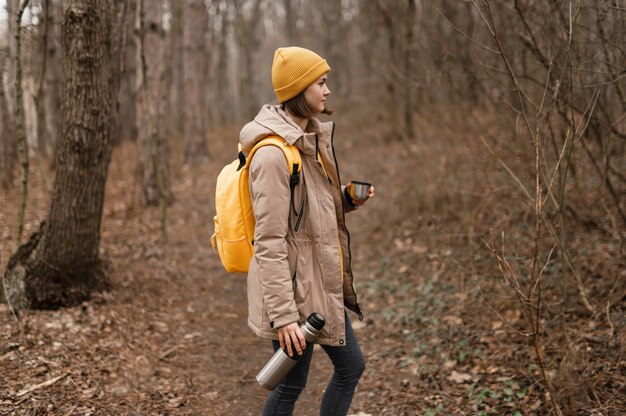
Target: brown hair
x,y
299,108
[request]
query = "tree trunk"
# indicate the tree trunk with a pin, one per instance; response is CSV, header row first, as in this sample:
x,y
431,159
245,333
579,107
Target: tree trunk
x,y
291,22
390,74
195,75
409,131
20,129
8,158
40,89
248,37
53,81
126,126
12,7
176,63
335,35
7,133
153,41
60,265
222,82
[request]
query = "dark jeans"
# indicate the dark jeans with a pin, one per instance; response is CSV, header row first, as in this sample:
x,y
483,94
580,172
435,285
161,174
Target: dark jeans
x,y
349,365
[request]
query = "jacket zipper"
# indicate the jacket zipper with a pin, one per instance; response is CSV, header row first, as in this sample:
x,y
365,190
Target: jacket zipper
x,y
300,212
343,214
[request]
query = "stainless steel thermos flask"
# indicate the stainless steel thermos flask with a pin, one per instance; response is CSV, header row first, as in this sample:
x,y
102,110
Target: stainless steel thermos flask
x,y
280,364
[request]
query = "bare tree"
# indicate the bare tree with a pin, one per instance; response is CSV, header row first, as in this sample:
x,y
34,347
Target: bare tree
x,y
153,127
176,88
40,90
291,21
408,63
52,83
7,132
60,263
335,45
248,30
195,76
22,144
152,163
224,110
39,93
398,70
8,137
127,97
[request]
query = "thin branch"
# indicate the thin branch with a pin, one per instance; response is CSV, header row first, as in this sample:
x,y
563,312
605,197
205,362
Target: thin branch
x,y
461,32
543,269
522,97
510,172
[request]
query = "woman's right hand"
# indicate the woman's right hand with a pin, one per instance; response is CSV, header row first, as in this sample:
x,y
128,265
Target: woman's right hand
x,y
291,335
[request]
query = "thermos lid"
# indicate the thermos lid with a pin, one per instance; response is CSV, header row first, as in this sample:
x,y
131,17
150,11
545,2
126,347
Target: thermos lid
x,y
316,320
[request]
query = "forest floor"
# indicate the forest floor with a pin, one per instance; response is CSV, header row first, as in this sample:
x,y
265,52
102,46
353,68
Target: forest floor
x,y
170,336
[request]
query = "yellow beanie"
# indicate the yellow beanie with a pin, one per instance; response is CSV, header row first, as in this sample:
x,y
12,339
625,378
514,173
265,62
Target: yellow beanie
x,y
294,69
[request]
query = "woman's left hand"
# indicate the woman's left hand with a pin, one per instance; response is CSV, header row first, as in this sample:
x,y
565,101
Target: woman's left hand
x,y
370,194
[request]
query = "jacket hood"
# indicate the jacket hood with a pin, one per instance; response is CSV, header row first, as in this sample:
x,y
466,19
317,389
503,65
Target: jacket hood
x,y
273,120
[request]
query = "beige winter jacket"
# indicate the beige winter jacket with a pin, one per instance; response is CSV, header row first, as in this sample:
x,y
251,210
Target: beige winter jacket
x,y
301,261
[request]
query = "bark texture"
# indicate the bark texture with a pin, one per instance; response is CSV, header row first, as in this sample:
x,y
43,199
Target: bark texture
x,y
195,75
59,265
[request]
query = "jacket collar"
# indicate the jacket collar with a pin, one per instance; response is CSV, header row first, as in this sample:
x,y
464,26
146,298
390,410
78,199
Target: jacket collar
x,y
272,119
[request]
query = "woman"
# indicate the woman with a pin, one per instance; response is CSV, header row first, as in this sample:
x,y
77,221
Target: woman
x,y
301,261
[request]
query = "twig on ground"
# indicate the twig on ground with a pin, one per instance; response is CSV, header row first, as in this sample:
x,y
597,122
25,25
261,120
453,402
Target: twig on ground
x,y
71,411
40,385
246,377
168,352
608,319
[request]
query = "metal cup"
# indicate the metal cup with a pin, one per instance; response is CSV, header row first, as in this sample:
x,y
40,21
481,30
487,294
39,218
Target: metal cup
x,y
359,191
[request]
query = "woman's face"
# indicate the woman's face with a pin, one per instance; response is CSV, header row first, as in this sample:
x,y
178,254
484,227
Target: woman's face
x,y
316,94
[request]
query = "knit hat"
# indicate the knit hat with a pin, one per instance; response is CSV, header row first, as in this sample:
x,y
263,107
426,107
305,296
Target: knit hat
x,y
294,69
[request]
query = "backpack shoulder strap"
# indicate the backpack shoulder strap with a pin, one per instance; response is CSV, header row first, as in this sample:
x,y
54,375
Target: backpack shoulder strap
x,y
294,164
292,154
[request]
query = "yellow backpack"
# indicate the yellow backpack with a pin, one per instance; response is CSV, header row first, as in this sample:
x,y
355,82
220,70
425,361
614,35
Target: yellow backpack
x,y
234,219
